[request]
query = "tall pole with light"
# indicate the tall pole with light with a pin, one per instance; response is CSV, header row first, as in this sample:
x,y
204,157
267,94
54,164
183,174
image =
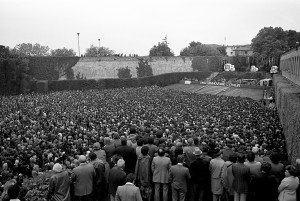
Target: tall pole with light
x,y
78,45
99,46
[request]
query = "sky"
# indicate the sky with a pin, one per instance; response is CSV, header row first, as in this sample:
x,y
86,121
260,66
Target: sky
x,y
135,26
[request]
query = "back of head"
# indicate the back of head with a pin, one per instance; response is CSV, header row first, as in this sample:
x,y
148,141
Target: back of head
x,y
145,150
180,159
204,148
233,157
275,157
265,167
13,191
291,169
121,163
250,156
130,177
140,142
240,157
57,167
161,152
123,140
82,159
150,140
190,141
92,156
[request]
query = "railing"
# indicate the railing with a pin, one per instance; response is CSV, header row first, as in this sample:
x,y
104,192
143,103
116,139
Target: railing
x,y
290,66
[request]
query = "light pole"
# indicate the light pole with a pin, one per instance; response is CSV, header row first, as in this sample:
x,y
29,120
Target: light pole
x,y
99,46
78,45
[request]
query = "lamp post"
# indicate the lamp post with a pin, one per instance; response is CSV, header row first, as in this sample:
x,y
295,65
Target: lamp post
x,y
78,45
99,46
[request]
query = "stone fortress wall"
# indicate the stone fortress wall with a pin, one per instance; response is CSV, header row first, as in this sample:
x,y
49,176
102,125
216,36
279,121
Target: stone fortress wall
x,y
107,67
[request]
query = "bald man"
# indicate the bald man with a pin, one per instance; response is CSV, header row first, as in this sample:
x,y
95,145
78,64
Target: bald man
x,y
82,179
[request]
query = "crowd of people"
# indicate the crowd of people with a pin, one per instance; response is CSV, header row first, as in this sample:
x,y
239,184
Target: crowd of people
x,y
145,143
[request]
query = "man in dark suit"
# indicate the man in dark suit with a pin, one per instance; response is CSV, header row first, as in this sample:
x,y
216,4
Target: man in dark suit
x,y
128,192
117,177
83,178
179,178
128,154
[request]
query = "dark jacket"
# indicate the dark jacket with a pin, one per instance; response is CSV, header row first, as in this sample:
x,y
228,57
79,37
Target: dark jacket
x,y
129,156
199,171
264,187
59,187
117,177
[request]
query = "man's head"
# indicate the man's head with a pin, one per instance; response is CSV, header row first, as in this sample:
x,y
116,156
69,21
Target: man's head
x,y
161,152
14,191
82,159
180,159
121,163
57,167
92,156
130,178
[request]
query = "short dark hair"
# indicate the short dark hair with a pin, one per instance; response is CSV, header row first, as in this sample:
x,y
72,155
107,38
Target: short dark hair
x,y
150,140
145,150
275,157
241,157
13,191
140,142
204,148
291,169
92,156
161,152
233,157
250,156
130,177
180,158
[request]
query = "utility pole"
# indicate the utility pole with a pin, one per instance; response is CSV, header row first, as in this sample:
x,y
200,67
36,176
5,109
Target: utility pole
x,y
78,45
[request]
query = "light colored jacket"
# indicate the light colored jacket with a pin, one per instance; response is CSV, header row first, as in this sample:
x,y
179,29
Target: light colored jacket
x,y
287,189
128,192
160,168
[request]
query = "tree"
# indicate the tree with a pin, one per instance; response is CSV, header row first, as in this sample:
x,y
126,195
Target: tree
x,y
63,52
94,51
270,42
27,49
144,69
222,50
199,49
124,73
293,37
162,49
4,51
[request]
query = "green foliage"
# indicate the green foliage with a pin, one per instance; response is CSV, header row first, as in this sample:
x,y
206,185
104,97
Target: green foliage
x,y
63,52
13,75
162,49
228,75
240,63
199,49
222,50
270,42
94,51
159,80
144,69
28,49
206,63
52,68
4,51
124,73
